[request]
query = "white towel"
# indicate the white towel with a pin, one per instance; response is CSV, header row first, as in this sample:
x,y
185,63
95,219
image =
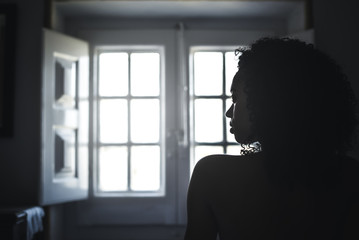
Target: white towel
x,y
34,221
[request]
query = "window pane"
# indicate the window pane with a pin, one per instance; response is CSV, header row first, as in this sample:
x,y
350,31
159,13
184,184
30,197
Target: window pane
x,y
145,74
231,69
208,117
113,121
113,74
145,168
113,169
234,149
202,151
230,136
145,120
208,73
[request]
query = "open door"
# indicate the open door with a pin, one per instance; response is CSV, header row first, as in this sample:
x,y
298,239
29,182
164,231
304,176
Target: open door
x,y
65,117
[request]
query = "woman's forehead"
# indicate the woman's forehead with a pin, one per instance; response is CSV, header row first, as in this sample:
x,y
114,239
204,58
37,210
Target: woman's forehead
x,y
236,82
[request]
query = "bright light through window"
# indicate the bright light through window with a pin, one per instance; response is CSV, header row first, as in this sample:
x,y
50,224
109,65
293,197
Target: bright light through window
x,y
145,122
208,68
145,158
113,168
145,73
129,157
113,74
208,116
113,120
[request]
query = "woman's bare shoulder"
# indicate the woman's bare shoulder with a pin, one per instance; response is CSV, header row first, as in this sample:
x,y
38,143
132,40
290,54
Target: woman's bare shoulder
x,y
218,160
227,164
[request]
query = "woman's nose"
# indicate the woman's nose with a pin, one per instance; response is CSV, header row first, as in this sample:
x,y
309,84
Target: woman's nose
x,y
229,112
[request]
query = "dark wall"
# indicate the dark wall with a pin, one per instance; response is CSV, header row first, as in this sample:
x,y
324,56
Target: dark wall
x,y
20,154
336,33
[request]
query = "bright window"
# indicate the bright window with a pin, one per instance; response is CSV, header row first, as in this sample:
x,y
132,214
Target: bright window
x,y
129,145
212,72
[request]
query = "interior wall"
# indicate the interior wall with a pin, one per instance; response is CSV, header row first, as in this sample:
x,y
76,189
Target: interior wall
x,y
336,33
72,26
20,154
296,20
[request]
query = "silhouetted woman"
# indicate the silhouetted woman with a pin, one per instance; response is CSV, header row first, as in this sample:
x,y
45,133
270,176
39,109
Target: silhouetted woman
x,y
294,110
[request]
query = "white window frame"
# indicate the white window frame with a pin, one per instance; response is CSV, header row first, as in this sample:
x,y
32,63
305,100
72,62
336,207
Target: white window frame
x,y
136,209
133,49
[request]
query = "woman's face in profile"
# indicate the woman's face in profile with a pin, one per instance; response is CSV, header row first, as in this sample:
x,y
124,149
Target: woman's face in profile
x,y
238,113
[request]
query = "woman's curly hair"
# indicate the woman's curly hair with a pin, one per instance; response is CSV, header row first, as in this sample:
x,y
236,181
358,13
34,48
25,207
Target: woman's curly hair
x,y
297,95
301,105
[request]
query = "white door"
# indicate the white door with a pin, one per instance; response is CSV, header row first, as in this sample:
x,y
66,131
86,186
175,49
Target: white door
x,y
65,105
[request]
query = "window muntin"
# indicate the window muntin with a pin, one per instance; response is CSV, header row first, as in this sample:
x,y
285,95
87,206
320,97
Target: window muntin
x,y
129,145
212,73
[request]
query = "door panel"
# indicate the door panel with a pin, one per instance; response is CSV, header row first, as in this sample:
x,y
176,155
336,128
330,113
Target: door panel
x,y
65,117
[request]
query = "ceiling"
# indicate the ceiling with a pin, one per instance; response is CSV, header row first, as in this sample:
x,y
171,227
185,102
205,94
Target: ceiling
x,y
178,9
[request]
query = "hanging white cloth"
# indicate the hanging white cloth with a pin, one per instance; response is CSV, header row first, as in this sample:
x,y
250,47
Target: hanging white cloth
x,y
34,221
